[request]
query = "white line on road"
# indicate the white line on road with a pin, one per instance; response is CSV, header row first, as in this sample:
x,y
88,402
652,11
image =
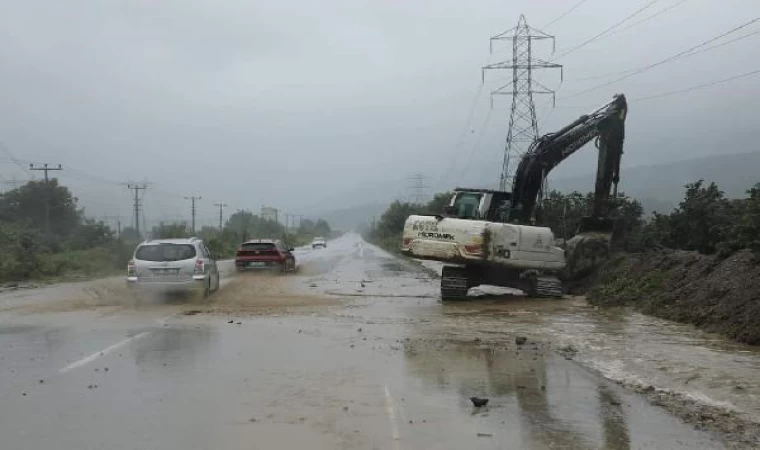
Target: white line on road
x,y
96,355
392,418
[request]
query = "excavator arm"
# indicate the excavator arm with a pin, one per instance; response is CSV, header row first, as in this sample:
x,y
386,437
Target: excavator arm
x,y
606,125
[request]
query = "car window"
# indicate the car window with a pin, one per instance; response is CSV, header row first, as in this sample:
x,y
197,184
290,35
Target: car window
x,y
165,252
257,246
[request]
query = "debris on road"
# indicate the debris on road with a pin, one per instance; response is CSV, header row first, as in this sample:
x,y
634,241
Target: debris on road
x,y
485,435
520,340
479,402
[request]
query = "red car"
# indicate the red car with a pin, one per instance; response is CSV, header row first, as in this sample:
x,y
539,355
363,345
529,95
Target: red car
x,y
265,254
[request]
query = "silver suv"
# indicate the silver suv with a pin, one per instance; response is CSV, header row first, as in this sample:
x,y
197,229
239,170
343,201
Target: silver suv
x,y
174,265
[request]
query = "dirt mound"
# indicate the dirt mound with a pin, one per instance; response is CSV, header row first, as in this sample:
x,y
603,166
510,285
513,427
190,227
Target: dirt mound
x,y
715,294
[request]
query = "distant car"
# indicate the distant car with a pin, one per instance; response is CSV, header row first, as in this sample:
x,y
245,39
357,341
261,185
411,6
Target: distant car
x,y
265,254
318,242
174,265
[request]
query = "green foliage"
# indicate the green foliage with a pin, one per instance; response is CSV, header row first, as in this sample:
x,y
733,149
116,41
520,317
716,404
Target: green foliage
x,y
90,234
386,233
38,203
702,220
74,244
21,251
563,213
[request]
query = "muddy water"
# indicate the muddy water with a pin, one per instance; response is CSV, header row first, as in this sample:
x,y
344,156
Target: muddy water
x,y
355,351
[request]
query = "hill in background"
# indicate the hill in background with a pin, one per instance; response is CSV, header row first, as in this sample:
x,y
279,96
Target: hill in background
x,y
659,187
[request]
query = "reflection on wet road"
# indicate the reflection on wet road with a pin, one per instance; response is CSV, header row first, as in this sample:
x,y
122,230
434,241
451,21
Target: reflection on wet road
x,y
358,354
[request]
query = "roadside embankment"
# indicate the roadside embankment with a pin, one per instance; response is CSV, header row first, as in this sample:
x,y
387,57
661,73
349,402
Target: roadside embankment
x,y
719,295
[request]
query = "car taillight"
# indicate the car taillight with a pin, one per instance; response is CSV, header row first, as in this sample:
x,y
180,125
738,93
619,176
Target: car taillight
x,y
131,268
407,241
200,266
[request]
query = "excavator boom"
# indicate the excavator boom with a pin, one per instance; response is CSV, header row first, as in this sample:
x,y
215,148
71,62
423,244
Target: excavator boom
x,y
607,125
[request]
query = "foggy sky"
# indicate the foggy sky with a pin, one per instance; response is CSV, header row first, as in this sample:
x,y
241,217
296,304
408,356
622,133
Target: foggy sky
x,y
317,105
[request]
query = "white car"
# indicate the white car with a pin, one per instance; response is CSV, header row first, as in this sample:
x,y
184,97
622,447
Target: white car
x,y
318,242
174,265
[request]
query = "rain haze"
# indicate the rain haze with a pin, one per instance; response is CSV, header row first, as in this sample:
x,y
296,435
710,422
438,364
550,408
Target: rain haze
x,y
315,106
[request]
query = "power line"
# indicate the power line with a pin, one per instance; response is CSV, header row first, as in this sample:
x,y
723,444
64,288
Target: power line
x,y
592,39
523,128
45,168
562,16
700,86
481,132
696,52
645,19
666,60
467,127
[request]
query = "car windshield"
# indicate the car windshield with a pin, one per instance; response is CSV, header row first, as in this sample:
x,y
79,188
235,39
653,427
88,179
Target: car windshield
x,y
165,252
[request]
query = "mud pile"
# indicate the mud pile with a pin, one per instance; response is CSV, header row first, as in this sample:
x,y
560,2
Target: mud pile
x,y
719,295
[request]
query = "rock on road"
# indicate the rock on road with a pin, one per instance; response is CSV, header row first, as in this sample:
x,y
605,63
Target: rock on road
x,y
354,351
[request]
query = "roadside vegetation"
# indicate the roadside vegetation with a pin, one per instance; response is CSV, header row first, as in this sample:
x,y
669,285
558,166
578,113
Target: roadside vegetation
x,y
44,234
244,225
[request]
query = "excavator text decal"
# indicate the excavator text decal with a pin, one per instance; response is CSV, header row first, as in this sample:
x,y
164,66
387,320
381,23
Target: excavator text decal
x,y
446,236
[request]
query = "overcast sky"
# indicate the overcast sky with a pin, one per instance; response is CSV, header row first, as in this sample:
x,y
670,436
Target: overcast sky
x,y
315,105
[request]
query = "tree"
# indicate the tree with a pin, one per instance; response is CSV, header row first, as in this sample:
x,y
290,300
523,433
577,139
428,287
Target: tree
x,y
170,230
392,220
39,203
439,202
322,228
90,234
702,219
129,234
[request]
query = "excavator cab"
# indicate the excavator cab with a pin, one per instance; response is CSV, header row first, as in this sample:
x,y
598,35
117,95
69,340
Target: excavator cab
x,y
479,204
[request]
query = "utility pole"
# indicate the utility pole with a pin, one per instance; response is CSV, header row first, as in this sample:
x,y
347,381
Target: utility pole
x,y
45,168
523,127
192,210
136,205
221,207
117,219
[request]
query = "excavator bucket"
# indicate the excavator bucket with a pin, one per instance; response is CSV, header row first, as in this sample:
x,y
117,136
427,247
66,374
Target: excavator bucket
x,y
591,246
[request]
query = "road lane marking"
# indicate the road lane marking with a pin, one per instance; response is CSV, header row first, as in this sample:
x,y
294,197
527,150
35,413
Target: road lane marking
x,y
392,418
88,359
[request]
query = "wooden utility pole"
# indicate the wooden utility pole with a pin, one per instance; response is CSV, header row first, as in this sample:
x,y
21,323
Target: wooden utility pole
x,y
45,168
221,207
193,210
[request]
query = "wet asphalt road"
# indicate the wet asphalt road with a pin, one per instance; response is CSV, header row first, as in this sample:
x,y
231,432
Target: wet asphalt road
x,y
353,352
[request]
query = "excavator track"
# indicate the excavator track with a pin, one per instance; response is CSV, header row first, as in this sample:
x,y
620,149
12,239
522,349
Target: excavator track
x,y
454,283
546,286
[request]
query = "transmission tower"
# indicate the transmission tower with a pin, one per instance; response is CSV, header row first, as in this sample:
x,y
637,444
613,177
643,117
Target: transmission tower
x,y
417,188
523,128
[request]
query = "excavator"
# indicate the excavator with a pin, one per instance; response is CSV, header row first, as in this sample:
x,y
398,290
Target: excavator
x,y
492,237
